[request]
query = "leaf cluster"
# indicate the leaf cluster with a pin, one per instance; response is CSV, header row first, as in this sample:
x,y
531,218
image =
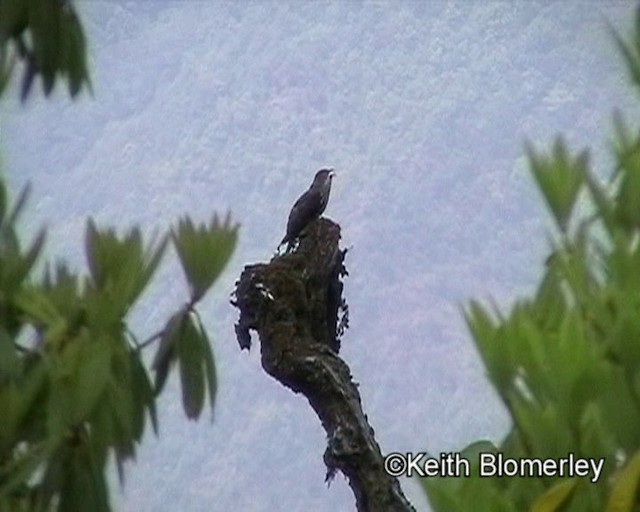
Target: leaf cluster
x,y
47,38
566,361
74,388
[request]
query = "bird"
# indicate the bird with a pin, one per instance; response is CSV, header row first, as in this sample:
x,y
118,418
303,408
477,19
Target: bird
x,y
308,207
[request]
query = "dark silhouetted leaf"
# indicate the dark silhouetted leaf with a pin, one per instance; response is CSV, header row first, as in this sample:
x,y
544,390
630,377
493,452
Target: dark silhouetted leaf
x,y
167,350
210,367
191,355
143,390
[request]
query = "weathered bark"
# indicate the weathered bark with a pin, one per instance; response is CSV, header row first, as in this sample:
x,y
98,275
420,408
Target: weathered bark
x,y
295,305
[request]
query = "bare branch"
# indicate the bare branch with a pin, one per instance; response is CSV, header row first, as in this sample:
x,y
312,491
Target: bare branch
x,y
294,303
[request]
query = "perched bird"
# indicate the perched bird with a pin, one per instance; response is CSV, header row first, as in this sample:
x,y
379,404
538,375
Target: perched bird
x,y
308,207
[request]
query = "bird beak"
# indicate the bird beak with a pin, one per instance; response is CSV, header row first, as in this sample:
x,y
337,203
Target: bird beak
x,y
332,174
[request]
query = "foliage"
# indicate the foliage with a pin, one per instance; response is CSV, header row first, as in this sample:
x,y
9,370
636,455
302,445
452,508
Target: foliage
x,y
73,387
46,36
566,362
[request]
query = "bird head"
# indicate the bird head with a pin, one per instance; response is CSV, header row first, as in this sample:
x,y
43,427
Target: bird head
x,y
323,175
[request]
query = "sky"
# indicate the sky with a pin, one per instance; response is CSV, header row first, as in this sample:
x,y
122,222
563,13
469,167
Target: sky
x,y
422,108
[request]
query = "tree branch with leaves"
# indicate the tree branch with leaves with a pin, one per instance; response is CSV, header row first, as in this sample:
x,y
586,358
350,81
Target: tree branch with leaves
x,y
74,389
566,361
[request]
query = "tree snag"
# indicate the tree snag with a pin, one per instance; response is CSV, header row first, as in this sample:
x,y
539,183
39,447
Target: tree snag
x,y
295,304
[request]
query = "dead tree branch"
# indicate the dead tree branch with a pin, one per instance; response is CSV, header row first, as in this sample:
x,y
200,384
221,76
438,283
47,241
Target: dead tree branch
x,y
295,304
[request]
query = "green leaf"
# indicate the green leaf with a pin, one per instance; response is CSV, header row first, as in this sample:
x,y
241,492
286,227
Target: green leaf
x,y
80,373
33,394
3,191
185,339
625,142
48,37
37,307
631,55
627,151
13,17
10,402
6,69
16,266
204,251
604,203
443,497
44,28
596,438
10,363
120,267
75,61
151,260
92,374
28,77
19,206
448,494
21,468
167,351
33,253
490,345
83,486
554,497
559,177
622,497
121,406
191,355
550,304
210,367
143,390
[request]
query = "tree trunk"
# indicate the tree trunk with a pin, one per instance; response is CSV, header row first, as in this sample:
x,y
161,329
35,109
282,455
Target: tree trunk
x,y
295,305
